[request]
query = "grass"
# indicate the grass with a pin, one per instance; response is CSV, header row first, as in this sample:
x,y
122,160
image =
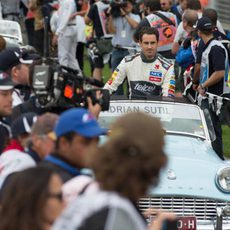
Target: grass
x,y
226,141
107,74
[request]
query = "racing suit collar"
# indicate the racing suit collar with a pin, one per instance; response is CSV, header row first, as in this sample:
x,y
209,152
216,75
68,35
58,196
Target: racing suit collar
x,y
144,59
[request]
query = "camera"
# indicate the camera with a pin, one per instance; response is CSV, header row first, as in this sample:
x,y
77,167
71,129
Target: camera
x,y
93,47
116,6
61,87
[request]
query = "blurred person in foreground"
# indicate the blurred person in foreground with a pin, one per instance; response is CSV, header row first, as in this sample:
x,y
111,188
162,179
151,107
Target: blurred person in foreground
x,y
42,142
135,138
14,158
31,199
75,132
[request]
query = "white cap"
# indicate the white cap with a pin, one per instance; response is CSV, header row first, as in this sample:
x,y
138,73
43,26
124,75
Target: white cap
x,y
13,161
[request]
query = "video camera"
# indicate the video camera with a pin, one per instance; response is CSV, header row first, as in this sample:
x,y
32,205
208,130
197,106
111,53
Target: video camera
x,y
61,87
116,5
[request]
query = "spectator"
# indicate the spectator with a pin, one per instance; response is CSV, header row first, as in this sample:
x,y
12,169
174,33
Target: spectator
x,y
6,90
148,73
97,16
186,55
166,5
179,9
166,24
181,33
214,66
13,157
135,138
66,35
42,141
123,28
35,6
36,208
218,35
16,63
76,131
10,10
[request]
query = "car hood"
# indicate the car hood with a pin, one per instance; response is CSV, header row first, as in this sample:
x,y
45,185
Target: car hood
x,y
191,169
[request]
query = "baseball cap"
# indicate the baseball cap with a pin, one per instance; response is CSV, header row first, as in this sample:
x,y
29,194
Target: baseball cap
x,y
13,56
5,81
23,124
78,120
203,24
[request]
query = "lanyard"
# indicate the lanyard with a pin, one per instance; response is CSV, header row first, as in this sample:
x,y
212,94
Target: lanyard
x,y
72,170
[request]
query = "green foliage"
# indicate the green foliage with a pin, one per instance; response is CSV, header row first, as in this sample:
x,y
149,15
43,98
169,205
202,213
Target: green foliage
x,y
226,141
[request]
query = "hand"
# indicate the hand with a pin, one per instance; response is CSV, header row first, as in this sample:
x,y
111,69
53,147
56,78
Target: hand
x,y
94,109
54,40
73,16
195,86
201,91
160,218
123,13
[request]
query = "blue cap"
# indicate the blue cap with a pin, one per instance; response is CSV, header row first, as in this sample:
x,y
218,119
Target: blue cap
x,y
80,121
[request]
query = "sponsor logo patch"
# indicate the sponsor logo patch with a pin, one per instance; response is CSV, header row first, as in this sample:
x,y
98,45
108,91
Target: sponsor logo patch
x,y
155,74
156,79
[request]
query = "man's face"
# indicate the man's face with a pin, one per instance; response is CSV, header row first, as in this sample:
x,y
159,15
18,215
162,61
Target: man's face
x,y
184,4
6,102
165,5
148,45
20,74
129,7
76,150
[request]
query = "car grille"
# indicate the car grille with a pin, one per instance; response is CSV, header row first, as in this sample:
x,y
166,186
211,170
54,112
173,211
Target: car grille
x,y
204,209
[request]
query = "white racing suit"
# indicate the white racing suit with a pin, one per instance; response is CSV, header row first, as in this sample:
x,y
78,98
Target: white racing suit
x,y
144,78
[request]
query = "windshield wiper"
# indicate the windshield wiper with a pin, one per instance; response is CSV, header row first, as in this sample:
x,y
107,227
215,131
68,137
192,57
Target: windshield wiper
x,y
185,134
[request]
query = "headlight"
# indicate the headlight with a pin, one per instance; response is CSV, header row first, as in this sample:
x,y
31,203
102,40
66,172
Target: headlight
x,y
223,179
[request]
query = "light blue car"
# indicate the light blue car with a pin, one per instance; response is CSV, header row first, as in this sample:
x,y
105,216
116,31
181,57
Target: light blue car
x,y
196,182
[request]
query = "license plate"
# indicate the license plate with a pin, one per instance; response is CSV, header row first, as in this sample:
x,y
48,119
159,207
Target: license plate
x,y
186,223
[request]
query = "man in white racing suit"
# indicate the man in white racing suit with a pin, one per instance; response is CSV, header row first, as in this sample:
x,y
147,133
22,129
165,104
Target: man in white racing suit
x,y
147,72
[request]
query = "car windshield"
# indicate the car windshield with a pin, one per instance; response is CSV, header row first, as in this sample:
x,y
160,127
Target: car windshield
x,y
175,117
9,28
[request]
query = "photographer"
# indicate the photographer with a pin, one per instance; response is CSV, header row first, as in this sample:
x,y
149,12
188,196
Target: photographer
x,y
122,23
16,62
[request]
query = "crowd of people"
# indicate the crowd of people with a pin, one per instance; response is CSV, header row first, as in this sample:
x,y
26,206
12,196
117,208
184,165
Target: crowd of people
x,y
43,155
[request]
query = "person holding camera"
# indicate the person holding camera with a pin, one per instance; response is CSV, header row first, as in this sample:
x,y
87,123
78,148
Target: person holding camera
x,y
16,63
148,73
122,23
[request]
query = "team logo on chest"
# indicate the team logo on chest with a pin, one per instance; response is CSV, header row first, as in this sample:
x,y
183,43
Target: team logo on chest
x,y
155,76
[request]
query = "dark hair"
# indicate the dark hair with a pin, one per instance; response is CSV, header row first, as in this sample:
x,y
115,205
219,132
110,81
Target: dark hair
x,y
130,161
194,5
68,136
148,30
23,199
2,43
153,5
211,14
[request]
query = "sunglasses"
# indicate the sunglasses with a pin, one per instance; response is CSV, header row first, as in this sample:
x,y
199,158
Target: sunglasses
x,y
58,196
